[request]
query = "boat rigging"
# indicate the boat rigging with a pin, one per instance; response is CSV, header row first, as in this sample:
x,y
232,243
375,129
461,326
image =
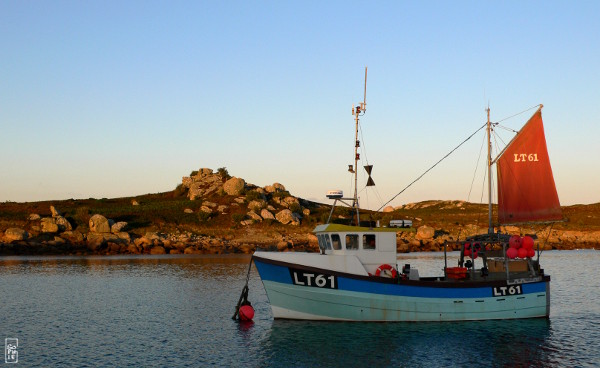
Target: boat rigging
x,y
358,111
358,276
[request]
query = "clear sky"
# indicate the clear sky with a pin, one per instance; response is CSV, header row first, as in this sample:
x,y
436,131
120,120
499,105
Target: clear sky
x,y
120,98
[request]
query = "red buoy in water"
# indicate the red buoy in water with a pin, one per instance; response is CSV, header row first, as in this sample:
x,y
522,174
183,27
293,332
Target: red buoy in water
x,y
246,313
527,242
515,241
512,253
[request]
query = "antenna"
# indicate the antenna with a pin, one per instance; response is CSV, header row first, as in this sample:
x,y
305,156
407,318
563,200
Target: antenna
x,y
361,108
364,104
489,170
357,112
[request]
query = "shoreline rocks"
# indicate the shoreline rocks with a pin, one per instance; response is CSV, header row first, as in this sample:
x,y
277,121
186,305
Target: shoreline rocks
x,y
99,224
15,234
254,214
17,241
74,242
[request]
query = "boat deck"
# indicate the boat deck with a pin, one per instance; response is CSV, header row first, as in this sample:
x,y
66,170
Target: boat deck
x,y
476,276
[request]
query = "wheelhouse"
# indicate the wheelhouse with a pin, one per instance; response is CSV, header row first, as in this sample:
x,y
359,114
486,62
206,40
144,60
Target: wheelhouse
x,y
372,246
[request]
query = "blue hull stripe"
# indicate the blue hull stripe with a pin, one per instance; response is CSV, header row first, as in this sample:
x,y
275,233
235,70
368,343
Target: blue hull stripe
x,y
281,274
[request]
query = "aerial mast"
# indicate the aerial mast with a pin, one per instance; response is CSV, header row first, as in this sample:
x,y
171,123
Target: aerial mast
x,y
357,111
489,167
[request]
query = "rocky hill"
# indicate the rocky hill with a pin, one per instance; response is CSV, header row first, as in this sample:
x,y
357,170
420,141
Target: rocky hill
x,y
212,212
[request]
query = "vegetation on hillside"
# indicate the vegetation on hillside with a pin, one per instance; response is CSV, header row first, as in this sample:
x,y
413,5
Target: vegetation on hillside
x,y
165,212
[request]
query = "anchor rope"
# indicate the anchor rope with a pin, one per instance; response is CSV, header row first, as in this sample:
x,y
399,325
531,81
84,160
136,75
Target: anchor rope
x,y
540,251
244,296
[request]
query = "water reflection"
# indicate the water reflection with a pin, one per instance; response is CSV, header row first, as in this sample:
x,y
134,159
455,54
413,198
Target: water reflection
x,y
176,310
185,266
492,343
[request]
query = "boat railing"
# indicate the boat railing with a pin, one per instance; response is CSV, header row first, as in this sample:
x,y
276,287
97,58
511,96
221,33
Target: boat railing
x,y
495,263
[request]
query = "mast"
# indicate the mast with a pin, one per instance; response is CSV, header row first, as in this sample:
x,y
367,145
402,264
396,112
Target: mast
x,y
356,111
489,167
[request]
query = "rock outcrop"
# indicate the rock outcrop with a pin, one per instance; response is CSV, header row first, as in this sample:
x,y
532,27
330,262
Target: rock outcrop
x,y
267,215
203,183
54,211
252,217
99,224
257,205
287,217
63,223
15,234
159,249
48,225
55,235
74,236
118,227
275,188
425,232
234,186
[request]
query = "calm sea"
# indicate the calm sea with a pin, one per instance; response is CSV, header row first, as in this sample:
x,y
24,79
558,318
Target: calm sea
x,y
176,311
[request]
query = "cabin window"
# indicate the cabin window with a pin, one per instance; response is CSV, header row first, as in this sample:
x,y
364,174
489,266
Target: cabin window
x,y
321,242
324,242
351,241
336,241
327,241
369,241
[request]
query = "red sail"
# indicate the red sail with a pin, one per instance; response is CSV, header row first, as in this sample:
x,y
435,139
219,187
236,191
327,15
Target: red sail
x,y
526,190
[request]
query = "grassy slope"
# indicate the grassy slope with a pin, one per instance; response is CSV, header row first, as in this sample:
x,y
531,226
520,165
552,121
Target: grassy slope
x,y
165,212
443,215
156,212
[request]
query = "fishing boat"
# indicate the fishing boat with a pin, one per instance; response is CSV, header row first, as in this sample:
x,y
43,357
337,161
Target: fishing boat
x,y
357,275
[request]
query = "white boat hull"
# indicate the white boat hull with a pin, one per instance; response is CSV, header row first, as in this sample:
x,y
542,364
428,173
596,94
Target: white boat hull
x,y
297,292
